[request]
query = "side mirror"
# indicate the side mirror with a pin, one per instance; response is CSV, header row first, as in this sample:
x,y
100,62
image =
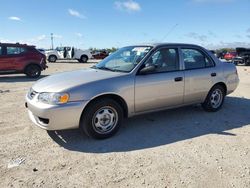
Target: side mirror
x,y
148,69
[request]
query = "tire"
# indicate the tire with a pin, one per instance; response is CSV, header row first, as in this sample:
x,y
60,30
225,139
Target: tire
x,y
52,58
214,99
84,59
33,71
247,62
101,119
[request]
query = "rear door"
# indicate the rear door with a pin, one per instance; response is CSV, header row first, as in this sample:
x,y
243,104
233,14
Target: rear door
x,y
200,73
16,57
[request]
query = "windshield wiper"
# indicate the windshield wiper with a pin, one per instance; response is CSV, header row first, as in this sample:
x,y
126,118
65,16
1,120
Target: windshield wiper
x,y
105,68
108,69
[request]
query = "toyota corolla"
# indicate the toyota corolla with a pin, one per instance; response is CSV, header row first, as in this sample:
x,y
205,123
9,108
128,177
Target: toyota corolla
x,y
133,80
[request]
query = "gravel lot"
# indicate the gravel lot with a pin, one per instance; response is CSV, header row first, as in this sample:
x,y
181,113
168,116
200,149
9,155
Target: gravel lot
x,y
184,147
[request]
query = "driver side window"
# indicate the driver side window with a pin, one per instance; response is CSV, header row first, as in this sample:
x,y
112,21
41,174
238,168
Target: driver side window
x,y
164,60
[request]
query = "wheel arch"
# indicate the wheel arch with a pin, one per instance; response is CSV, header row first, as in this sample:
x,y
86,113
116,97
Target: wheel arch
x,y
31,63
113,96
84,55
221,84
49,55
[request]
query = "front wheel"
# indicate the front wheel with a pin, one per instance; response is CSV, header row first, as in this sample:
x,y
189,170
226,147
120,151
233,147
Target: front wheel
x,y
33,71
101,119
215,99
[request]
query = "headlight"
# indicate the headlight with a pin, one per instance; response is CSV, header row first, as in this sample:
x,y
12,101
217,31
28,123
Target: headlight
x,y
53,98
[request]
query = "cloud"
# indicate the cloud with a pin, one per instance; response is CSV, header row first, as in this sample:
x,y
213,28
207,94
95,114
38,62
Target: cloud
x,y
41,37
75,13
248,30
15,18
2,40
79,35
35,40
212,34
196,36
222,44
57,36
248,36
129,6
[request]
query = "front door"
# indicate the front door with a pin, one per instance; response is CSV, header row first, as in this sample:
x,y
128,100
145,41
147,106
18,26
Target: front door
x,y
164,86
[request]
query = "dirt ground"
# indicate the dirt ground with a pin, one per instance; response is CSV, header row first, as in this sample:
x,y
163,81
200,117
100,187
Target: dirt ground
x,y
184,147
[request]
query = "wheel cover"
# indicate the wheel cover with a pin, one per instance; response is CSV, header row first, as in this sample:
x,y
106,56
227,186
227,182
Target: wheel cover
x,y
34,72
216,98
84,59
52,58
105,120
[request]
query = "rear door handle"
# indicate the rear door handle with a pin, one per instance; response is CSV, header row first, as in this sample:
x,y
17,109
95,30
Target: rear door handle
x,y
213,74
178,79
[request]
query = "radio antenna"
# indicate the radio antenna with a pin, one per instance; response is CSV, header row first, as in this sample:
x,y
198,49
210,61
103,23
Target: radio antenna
x,y
170,30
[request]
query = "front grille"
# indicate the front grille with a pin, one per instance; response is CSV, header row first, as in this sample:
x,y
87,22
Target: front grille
x,y
32,94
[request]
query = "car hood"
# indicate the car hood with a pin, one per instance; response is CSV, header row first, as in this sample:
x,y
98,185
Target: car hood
x,y
66,80
50,51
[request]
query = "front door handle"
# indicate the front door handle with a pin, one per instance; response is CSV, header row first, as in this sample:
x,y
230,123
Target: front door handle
x,y
213,74
178,79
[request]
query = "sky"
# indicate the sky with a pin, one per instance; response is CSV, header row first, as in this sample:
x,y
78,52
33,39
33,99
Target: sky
x,y
116,23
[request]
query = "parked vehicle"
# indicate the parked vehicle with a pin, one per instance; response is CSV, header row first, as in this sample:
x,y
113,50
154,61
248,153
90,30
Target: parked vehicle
x,y
41,50
67,53
221,55
229,55
21,58
100,54
243,56
133,80
214,52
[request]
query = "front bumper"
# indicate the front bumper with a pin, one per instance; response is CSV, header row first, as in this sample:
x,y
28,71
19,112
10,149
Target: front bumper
x,y
55,117
43,63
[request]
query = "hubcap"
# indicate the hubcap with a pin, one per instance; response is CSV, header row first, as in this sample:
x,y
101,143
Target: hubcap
x,y
84,59
33,71
216,98
105,120
52,58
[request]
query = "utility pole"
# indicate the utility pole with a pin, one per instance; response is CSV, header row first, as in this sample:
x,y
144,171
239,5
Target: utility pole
x,y
52,38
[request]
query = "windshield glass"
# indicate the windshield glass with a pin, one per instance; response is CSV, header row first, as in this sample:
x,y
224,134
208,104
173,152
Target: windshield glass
x,y
124,59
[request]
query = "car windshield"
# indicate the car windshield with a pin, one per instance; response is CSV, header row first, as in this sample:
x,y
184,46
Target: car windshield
x,y
124,59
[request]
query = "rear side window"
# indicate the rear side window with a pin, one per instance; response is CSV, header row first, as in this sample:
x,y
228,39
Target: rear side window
x,y
194,59
15,50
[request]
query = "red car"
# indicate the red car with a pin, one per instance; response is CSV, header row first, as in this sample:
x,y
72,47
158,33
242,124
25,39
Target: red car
x,y
21,58
100,54
230,55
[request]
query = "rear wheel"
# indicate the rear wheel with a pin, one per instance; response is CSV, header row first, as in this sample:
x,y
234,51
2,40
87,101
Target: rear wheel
x,y
33,71
84,59
215,99
52,58
102,118
247,62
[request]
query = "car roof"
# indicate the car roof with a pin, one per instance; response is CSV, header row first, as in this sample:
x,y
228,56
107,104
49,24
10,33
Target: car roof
x,y
167,44
16,44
